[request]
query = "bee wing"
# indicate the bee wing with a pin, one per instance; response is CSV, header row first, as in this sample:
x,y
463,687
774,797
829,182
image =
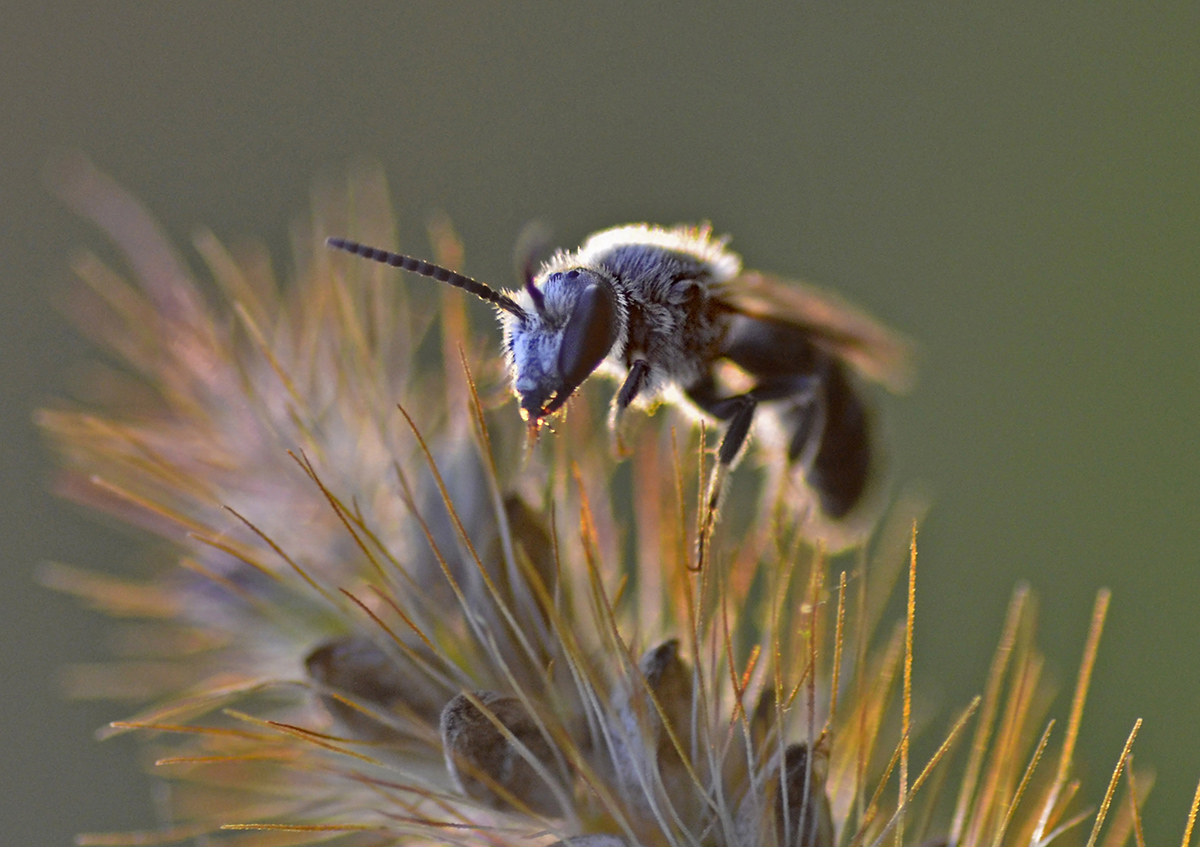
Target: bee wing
x,y
880,354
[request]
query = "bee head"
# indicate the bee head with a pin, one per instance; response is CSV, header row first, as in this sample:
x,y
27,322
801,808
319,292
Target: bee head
x,y
573,319
557,330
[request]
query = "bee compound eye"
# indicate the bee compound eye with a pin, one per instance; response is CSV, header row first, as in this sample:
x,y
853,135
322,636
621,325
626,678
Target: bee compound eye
x,y
589,334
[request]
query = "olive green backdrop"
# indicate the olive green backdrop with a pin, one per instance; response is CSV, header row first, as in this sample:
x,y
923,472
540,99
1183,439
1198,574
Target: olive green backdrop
x,y
1017,188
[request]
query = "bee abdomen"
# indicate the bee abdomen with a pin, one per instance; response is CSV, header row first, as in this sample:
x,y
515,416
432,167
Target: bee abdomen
x,y
841,468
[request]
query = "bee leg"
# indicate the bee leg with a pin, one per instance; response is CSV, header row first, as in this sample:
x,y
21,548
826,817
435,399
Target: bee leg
x,y
737,430
830,427
738,410
634,382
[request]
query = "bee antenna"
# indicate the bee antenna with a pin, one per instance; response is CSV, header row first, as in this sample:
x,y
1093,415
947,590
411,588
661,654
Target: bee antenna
x,y
419,266
535,294
533,245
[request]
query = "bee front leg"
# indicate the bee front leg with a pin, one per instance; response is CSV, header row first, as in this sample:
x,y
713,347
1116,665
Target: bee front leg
x,y
634,382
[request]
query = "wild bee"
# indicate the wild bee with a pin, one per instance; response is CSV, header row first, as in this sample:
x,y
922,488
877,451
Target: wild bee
x,y
667,311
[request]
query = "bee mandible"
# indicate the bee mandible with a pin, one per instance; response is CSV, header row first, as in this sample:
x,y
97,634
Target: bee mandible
x,y
661,309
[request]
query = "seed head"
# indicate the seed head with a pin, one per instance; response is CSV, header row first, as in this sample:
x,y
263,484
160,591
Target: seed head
x,y
389,617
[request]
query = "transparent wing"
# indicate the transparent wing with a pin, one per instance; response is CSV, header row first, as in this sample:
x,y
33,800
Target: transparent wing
x,y
878,353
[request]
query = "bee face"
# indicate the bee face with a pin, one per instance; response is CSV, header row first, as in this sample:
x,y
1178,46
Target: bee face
x,y
573,319
533,348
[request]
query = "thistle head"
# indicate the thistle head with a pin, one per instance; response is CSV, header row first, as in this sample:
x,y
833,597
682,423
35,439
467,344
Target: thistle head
x,y
405,627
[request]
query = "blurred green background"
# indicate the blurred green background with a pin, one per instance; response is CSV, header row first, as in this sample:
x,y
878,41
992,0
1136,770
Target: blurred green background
x,y
1016,187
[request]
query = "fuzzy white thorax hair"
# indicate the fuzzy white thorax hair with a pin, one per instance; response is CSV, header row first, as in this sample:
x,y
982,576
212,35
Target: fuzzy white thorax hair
x,y
697,241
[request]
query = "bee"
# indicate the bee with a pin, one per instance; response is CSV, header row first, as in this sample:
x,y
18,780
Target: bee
x,y
666,311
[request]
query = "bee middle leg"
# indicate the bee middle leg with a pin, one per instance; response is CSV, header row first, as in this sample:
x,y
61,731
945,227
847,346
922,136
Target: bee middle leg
x,y
738,410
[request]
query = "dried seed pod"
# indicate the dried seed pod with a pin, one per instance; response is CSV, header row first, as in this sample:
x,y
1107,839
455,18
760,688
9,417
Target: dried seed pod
x,y
762,719
596,840
486,765
530,531
802,815
670,680
641,743
797,816
361,670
